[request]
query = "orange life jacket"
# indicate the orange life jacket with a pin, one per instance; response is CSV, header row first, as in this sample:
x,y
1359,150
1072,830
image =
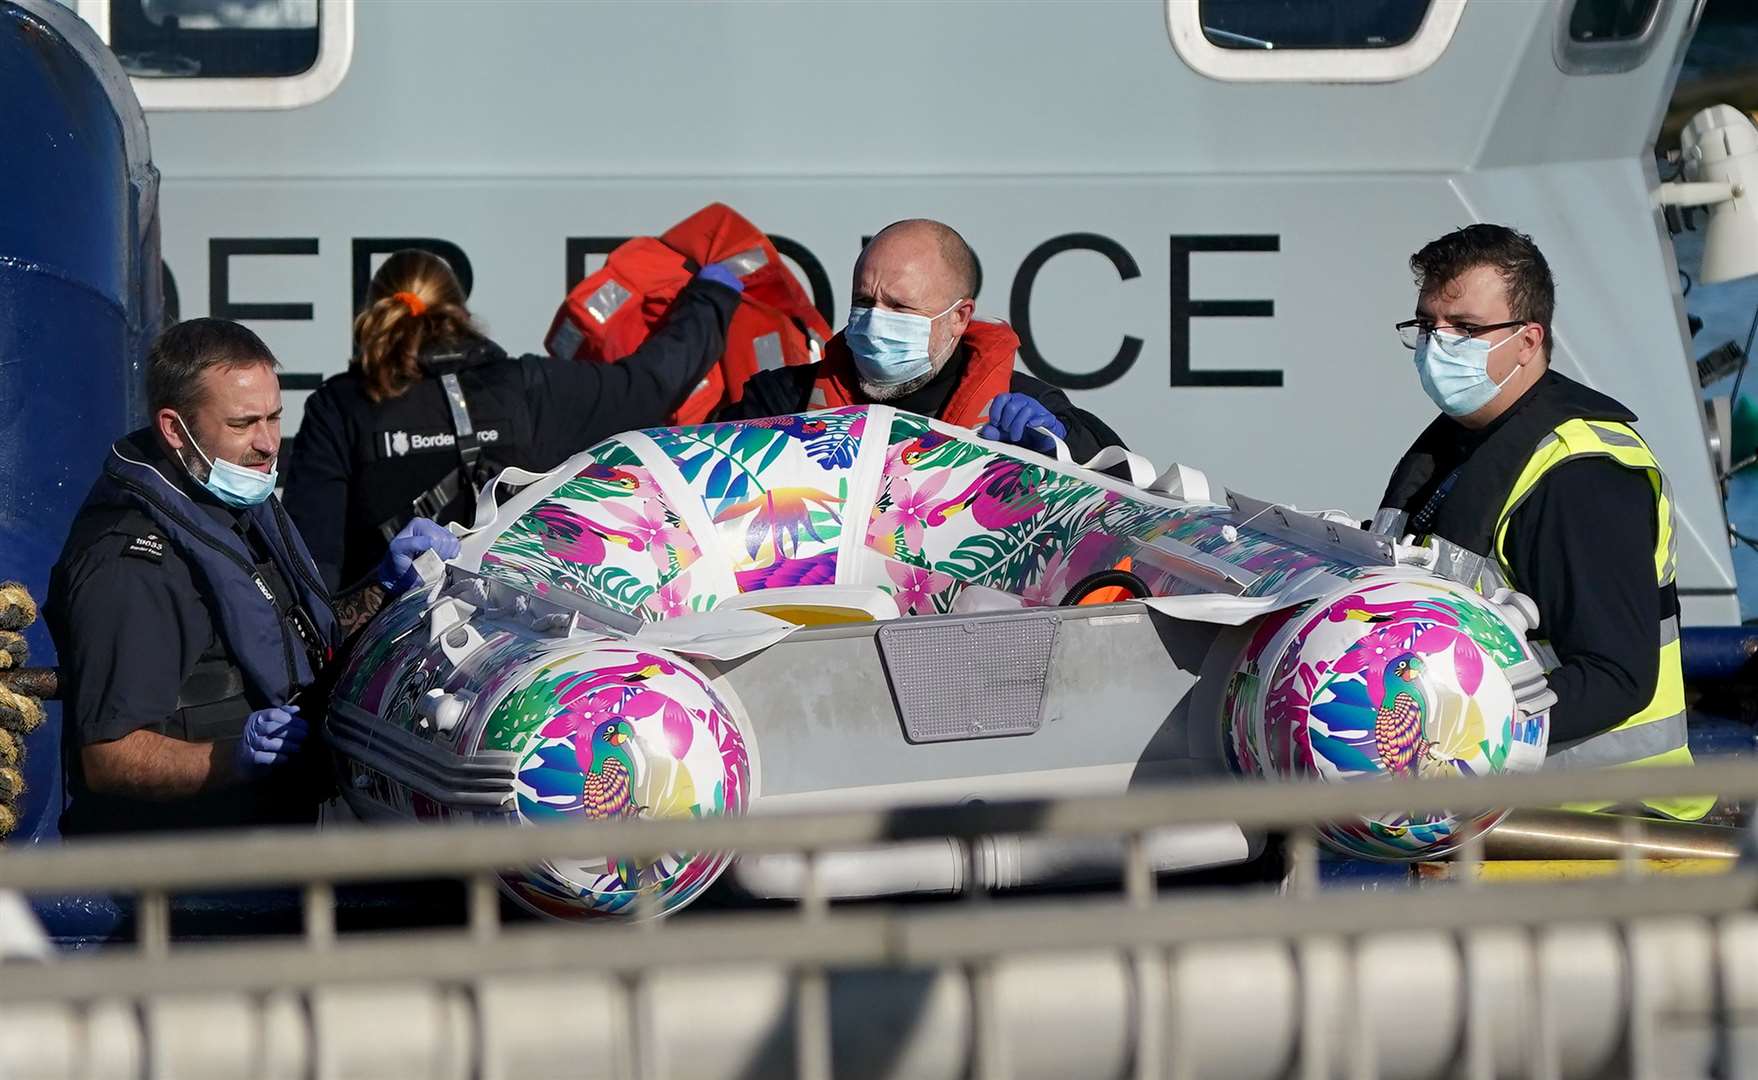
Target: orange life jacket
x,y
610,313
988,372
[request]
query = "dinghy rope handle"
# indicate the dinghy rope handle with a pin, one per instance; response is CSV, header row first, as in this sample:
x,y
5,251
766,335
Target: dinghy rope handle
x,y
1178,481
488,511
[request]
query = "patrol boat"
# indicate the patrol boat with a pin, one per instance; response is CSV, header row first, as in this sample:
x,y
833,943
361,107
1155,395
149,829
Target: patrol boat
x,y
1280,215
944,1002
1202,237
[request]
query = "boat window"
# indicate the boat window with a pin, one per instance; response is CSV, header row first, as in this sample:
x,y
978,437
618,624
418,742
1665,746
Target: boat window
x,y
1611,20
214,39
227,54
1311,24
1311,40
1604,37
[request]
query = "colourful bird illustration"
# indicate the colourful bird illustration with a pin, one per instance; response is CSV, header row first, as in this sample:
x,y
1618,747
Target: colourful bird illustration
x,y
803,428
918,448
571,538
829,447
586,686
1398,727
609,770
610,474
1355,614
608,786
1003,494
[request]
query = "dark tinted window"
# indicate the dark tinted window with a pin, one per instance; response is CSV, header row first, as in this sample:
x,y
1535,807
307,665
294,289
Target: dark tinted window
x,y
214,39
1311,24
1610,20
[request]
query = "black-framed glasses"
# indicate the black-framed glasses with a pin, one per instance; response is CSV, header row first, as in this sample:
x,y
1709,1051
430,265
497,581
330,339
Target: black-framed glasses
x,y
1412,331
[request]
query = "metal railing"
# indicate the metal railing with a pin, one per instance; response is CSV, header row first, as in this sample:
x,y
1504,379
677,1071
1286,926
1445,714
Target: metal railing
x,y
814,946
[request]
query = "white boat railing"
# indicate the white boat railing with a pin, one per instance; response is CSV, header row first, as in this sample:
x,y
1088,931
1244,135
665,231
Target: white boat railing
x,y
1633,975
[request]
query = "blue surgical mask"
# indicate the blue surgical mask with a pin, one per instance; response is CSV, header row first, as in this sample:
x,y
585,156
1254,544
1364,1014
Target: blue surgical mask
x,y
890,347
1454,370
232,484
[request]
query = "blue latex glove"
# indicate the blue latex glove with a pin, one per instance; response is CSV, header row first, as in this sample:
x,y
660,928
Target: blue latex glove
x,y
721,274
271,738
1013,418
397,571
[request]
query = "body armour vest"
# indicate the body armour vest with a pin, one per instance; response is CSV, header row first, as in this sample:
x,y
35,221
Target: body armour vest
x,y
274,655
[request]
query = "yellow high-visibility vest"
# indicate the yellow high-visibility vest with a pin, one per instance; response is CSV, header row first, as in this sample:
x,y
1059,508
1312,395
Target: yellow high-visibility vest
x,y
1656,734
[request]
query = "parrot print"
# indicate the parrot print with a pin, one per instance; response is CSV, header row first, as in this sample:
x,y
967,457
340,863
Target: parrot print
x,y
918,448
609,781
610,474
1398,727
831,447
609,787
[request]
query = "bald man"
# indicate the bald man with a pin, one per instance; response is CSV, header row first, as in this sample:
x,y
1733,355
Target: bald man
x,y
913,341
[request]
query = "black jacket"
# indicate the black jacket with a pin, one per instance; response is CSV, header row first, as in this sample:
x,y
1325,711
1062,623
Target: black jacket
x,y
1581,544
357,464
789,390
160,626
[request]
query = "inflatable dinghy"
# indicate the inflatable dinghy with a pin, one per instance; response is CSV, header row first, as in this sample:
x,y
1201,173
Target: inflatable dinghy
x,y
864,607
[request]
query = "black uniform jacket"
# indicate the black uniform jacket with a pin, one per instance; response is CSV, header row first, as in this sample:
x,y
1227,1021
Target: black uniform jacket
x,y
789,390
357,463
1581,545
140,648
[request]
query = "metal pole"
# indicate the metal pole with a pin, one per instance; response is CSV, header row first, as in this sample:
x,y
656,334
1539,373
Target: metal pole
x,y
320,914
812,1031
153,913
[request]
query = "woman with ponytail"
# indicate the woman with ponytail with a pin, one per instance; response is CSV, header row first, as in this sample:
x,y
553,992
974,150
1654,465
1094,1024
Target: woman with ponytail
x,y
430,408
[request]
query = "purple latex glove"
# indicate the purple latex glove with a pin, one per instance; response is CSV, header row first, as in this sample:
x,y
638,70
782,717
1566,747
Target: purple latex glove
x,y
721,274
397,571
1015,418
271,738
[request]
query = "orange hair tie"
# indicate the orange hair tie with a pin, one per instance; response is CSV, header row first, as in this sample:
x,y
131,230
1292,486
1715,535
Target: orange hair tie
x,y
416,305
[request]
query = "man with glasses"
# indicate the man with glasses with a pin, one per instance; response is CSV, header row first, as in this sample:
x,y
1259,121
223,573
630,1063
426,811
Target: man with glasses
x,y
1530,480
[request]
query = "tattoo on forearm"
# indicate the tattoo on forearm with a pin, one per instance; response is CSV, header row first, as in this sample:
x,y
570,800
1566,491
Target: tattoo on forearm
x,y
357,608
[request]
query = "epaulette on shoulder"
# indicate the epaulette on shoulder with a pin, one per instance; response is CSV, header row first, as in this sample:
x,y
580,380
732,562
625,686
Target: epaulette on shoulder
x,y
148,545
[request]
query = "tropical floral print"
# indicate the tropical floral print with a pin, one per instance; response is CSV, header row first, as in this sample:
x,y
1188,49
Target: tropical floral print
x,y
1402,675
787,573
774,487
608,533
915,589
618,732
777,492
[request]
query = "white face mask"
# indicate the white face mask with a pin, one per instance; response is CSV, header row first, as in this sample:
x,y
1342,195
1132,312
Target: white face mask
x,y
233,485
1454,370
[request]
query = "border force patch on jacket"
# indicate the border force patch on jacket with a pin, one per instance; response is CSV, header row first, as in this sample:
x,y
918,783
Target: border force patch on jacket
x,y
149,546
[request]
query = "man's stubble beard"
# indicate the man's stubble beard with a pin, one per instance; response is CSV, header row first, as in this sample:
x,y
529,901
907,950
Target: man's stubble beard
x,y
875,392
883,393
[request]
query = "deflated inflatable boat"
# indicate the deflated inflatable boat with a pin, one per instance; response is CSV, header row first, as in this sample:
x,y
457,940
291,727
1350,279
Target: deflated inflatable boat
x,y
864,607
